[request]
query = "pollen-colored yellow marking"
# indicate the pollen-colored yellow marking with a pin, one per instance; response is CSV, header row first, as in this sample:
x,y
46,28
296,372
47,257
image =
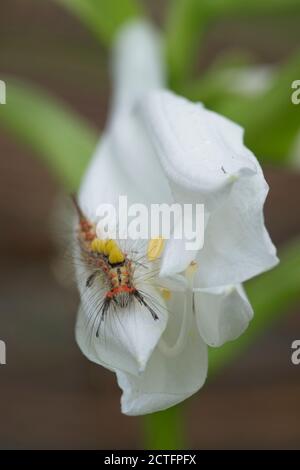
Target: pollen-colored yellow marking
x,y
166,293
155,248
191,269
116,256
108,248
98,245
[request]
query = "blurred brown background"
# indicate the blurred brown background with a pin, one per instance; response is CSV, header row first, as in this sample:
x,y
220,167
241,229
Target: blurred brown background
x,y
50,395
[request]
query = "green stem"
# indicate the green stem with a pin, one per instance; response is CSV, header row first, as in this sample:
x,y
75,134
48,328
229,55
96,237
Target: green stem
x,y
165,429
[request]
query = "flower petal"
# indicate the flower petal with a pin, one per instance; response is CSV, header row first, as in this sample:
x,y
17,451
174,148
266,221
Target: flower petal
x,y
124,162
135,73
237,245
194,148
202,155
205,161
134,156
103,181
127,336
176,257
222,313
167,380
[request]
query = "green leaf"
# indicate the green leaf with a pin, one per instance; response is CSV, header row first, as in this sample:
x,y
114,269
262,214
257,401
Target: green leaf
x,y
188,21
103,17
61,138
271,295
271,120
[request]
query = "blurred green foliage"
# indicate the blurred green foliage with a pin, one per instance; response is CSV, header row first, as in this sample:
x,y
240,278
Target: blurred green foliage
x,y
61,138
270,119
103,17
188,20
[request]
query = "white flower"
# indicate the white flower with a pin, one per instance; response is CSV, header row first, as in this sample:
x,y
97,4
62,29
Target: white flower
x,y
157,148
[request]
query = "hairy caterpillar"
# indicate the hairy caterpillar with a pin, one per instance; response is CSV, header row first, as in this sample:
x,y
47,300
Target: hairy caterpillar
x,y
114,268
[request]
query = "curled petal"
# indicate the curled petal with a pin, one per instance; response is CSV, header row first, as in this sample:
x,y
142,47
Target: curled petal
x,y
168,378
202,155
222,313
194,148
237,245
